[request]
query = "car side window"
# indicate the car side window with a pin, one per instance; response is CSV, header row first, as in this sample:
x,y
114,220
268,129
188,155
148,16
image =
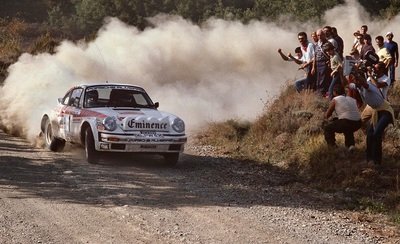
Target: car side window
x,y
66,98
73,97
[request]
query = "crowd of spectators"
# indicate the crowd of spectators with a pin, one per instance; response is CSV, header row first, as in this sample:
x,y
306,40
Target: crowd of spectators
x,y
356,84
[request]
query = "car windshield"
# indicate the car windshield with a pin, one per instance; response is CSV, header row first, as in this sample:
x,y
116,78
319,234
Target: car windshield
x,y
116,96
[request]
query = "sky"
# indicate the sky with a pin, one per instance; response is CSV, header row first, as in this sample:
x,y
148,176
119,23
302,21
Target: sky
x,y
214,72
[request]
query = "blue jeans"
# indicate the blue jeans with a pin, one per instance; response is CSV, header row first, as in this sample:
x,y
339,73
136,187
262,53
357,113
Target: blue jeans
x,y
301,84
391,71
374,136
335,80
322,77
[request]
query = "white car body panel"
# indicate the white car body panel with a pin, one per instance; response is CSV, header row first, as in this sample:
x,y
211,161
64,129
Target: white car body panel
x,y
138,129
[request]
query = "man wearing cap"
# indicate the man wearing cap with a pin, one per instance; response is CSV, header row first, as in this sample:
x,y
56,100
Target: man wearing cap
x,y
393,49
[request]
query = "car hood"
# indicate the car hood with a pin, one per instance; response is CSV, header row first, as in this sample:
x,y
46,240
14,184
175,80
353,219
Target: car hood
x,y
137,119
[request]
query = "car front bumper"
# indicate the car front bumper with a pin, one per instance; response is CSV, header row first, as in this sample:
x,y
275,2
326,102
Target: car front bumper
x,y
155,143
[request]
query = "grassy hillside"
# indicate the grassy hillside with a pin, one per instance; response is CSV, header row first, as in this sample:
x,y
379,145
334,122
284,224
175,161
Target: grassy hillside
x,y
17,37
289,135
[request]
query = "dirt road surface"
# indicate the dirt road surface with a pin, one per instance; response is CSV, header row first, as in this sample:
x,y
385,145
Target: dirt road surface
x,y
50,197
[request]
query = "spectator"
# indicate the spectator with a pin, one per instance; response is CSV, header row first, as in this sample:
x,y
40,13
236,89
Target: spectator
x,y
348,118
336,67
320,64
376,76
355,54
350,83
364,29
314,37
329,36
339,41
359,41
367,46
383,53
308,51
393,49
307,48
381,114
300,84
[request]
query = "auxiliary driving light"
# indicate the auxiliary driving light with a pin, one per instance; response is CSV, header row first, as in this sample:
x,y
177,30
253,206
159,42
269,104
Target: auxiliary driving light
x,y
104,146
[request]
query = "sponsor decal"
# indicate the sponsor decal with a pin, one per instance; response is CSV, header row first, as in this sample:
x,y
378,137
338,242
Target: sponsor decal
x,y
76,120
131,112
143,124
90,113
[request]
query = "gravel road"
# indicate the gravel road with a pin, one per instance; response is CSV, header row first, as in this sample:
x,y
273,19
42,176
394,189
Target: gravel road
x,y
50,197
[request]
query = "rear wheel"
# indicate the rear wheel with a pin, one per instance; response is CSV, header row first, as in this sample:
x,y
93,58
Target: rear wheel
x,y
53,143
92,155
171,159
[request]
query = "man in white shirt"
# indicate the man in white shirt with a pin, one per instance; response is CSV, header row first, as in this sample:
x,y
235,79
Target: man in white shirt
x,y
348,120
301,83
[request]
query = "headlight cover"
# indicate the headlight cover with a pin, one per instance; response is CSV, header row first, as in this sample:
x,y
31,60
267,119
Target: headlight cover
x,y
178,125
110,123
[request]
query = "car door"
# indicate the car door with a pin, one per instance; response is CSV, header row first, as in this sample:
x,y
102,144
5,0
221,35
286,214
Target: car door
x,y
72,113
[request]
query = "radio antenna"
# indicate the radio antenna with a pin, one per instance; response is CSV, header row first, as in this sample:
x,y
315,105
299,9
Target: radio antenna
x,y
104,61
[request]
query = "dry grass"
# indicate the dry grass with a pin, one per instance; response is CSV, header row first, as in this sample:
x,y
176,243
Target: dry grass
x,y
17,37
44,44
10,37
289,135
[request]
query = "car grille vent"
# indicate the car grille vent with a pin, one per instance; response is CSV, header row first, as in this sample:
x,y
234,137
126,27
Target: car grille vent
x,y
118,146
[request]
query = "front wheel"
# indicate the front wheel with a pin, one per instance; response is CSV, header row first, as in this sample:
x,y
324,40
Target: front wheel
x,y
53,143
92,155
171,159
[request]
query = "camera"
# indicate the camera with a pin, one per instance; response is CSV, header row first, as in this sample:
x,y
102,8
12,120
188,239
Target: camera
x,y
360,68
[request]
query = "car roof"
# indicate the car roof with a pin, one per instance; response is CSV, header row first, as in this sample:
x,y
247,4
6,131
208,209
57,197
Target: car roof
x,y
109,84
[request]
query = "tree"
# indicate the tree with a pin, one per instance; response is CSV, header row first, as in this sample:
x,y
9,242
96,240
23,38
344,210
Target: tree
x,y
31,11
90,13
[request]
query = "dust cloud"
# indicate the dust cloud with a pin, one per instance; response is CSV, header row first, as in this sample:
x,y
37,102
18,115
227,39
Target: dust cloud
x,y
217,71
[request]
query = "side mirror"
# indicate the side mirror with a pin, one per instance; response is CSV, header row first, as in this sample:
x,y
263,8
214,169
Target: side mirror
x,y
60,99
156,105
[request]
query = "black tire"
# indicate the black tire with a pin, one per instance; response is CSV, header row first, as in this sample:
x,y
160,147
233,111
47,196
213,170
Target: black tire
x,y
171,159
92,156
53,143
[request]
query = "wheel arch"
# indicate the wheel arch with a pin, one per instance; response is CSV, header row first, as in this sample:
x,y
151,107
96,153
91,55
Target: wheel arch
x,y
43,122
84,126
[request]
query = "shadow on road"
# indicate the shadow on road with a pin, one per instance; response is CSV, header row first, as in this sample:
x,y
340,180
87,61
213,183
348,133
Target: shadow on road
x,y
143,180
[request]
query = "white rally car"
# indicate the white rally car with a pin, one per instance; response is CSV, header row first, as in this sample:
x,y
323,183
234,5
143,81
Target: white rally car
x,y
113,118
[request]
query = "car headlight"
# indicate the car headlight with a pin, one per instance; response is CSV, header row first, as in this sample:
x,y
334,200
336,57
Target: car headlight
x,y
178,125
110,123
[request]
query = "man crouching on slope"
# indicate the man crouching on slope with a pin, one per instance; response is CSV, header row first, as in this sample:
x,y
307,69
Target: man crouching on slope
x,y
348,121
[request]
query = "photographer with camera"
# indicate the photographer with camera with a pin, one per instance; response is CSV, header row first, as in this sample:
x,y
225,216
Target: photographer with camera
x,y
378,110
377,76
